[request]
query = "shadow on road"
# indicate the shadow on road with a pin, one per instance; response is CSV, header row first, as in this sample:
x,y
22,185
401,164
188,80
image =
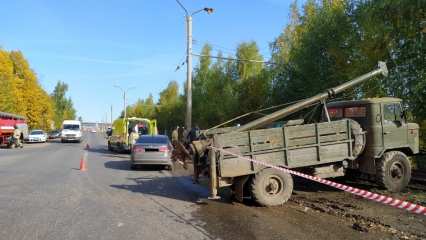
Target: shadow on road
x,y
126,165
174,187
106,153
304,185
118,165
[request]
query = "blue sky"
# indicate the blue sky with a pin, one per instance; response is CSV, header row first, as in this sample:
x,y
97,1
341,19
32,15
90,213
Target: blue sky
x,y
92,45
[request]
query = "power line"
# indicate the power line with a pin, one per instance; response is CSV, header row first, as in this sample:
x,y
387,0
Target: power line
x,y
234,59
231,50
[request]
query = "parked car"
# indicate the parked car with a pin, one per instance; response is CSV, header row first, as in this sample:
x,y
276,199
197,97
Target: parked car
x,y
55,134
37,136
152,150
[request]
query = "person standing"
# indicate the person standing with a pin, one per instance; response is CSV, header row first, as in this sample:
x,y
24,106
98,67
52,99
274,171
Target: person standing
x,y
17,138
175,136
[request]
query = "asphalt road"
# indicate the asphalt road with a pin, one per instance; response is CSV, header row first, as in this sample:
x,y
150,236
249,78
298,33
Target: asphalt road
x,y
43,195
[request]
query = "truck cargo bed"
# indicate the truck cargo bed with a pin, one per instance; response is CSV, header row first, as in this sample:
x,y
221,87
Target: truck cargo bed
x,y
291,146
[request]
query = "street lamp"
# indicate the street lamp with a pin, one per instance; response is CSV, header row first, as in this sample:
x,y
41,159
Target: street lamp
x,y
188,17
124,91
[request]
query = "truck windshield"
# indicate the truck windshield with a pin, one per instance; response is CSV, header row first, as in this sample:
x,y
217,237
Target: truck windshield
x,y
72,126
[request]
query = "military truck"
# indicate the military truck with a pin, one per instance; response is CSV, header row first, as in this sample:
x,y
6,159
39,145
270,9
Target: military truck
x,y
369,137
125,131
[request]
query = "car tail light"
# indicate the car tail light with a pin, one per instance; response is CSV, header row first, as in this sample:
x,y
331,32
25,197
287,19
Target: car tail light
x,y
163,149
138,149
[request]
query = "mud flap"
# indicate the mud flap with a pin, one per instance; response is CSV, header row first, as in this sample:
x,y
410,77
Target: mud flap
x,y
238,187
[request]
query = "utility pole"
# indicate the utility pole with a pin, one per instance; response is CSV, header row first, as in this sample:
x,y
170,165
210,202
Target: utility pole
x,y
188,119
124,105
188,17
106,122
111,115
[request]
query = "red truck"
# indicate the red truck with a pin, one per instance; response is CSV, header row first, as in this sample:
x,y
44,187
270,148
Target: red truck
x,y
8,122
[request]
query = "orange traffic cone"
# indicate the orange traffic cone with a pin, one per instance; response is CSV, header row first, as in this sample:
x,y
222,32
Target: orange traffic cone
x,y
83,165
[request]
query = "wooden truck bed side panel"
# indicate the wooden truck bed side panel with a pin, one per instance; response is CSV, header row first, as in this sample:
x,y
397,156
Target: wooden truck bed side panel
x,y
292,147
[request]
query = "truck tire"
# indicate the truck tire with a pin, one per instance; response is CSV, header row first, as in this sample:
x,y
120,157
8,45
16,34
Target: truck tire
x,y
270,187
394,171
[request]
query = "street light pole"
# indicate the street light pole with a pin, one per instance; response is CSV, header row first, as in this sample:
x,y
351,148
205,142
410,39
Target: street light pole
x,y
188,121
124,105
124,102
111,115
188,17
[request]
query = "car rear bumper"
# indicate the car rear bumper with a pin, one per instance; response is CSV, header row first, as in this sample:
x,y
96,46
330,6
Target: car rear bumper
x,y
136,161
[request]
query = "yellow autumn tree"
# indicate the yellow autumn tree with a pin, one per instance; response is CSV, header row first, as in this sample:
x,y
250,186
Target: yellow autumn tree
x,y
20,91
6,75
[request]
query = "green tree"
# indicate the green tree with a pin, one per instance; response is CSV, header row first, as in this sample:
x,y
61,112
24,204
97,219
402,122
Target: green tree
x,y
319,54
142,108
171,110
248,51
63,106
254,83
394,31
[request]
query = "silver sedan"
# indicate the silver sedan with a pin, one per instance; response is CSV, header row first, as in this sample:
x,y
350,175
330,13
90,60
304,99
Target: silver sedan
x,y
152,150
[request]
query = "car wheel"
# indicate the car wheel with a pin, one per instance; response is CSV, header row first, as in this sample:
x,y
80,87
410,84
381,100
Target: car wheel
x,y
271,187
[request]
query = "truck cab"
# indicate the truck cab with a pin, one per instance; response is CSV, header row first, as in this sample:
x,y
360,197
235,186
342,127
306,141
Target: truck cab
x,y
388,135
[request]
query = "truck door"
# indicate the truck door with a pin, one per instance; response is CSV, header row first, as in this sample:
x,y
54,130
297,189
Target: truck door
x,y
394,126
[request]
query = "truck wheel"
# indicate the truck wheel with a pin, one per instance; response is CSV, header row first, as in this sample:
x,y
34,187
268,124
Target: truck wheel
x,y
394,171
270,187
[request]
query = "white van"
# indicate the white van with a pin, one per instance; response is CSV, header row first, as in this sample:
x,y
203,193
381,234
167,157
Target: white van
x,y
71,131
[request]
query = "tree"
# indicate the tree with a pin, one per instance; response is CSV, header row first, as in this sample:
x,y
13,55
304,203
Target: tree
x,y
142,108
394,31
20,92
319,53
248,51
254,84
6,76
63,106
170,110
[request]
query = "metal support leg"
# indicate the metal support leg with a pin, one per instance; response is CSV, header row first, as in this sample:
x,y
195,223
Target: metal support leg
x,y
325,110
213,175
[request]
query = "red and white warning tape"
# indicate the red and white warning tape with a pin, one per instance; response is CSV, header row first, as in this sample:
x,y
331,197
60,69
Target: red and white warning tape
x,y
411,207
